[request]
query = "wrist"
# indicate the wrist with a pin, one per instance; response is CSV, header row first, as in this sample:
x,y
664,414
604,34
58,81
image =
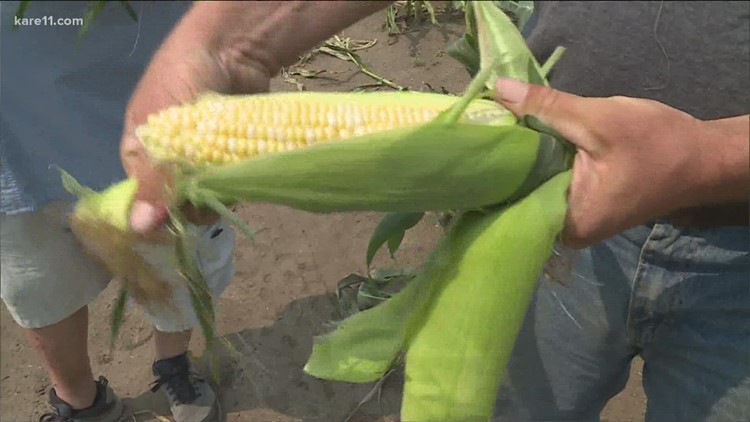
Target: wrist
x,y
723,162
247,73
253,40
245,66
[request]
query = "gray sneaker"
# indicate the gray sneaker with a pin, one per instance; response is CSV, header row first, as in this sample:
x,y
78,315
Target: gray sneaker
x,y
190,397
107,407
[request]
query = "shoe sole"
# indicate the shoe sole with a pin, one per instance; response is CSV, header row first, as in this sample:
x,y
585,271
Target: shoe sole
x,y
113,415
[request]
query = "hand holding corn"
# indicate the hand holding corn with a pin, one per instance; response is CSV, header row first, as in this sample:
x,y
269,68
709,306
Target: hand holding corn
x,y
637,159
220,47
172,78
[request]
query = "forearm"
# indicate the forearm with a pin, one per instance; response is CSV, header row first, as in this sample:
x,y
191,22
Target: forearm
x,y
263,36
725,156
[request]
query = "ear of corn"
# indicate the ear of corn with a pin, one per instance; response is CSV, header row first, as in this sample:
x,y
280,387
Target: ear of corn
x,y
459,318
456,359
377,171
393,170
328,176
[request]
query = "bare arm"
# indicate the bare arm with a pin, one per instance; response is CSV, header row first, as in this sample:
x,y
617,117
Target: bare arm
x,y
725,171
266,35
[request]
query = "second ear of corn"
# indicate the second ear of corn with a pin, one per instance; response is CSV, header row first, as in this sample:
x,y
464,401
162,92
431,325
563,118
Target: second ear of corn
x,y
220,129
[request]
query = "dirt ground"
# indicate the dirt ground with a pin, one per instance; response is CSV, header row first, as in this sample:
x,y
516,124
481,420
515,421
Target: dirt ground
x,y
282,293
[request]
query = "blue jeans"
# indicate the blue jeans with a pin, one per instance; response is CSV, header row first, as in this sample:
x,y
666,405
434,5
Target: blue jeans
x,y
678,297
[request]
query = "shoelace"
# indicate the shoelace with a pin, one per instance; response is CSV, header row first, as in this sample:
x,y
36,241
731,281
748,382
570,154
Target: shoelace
x,y
181,387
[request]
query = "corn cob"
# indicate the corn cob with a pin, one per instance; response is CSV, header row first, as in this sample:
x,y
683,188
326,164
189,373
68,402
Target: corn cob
x,y
220,129
235,147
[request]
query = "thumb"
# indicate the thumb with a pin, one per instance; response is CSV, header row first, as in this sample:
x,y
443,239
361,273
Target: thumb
x,y
565,112
147,216
149,210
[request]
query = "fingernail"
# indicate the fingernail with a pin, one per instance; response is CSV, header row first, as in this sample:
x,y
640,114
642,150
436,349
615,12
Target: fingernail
x,y
142,216
511,90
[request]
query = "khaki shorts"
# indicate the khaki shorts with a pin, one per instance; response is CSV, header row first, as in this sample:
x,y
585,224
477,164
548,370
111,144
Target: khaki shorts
x,y
46,277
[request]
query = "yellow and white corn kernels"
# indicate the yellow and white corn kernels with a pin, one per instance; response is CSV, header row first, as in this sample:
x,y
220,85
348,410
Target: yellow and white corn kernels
x,y
221,129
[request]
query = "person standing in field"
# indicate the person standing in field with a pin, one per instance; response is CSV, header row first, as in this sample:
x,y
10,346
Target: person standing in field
x,y
62,105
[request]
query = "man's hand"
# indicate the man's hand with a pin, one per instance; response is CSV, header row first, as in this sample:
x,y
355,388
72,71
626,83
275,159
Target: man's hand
x,y
637,159
169,81
159,88
223,47
179,72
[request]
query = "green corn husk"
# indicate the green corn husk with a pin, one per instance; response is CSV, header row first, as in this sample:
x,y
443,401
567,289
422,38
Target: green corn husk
x,y
100,222
456,359
457,321
380,173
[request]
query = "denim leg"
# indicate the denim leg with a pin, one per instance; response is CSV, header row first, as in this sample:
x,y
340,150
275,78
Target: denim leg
x,y
678,297
691,320
573,353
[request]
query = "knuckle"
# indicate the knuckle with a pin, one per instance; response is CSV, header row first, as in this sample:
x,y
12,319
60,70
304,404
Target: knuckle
x,y
548,101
